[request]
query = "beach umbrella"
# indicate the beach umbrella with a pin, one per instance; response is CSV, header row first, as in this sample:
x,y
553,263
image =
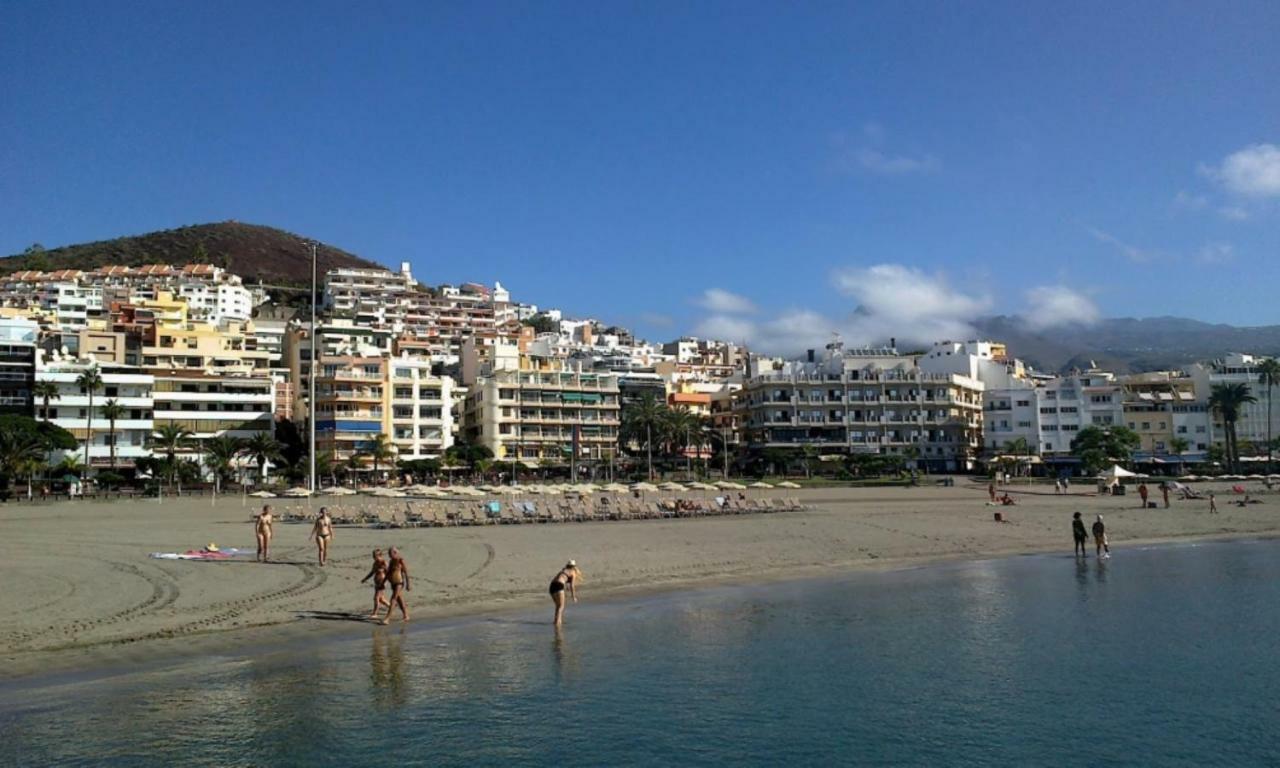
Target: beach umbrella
x,y
339,491
297,493
729,485
1254,477
615,488
670,486
760,484
701,486
644,487
788,484
263,495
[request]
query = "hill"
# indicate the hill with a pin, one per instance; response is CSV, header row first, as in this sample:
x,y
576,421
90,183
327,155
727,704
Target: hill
x,y
254,252
1128,345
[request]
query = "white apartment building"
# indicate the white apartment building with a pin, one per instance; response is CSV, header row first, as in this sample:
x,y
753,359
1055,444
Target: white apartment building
x,y
128,386
863,401
216,302
421,409
368,295
70,305
1236,368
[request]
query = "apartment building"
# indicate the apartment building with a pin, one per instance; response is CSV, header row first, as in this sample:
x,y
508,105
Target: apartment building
x,y
211,405
350,405
855,403
17,364
541,411
126,385
1251,424
421,409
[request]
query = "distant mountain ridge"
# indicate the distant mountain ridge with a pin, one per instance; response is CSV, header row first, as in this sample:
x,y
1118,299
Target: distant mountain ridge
x,y
254,252
1127,344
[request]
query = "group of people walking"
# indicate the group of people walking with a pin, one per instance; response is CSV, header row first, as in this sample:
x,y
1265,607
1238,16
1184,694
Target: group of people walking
x,y
392,572
1081,536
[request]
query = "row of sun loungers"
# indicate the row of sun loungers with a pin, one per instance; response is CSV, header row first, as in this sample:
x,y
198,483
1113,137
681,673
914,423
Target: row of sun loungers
x,y
427,514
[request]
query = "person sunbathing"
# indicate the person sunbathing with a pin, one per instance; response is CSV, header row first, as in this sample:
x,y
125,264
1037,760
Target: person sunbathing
x,y
1007,500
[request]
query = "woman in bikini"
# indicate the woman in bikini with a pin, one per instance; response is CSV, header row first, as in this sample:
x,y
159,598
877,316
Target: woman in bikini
x,y
322,532
379,575
567,578
398,578
262,529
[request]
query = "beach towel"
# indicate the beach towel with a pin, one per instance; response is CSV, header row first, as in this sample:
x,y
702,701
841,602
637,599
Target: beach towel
x,y
202,554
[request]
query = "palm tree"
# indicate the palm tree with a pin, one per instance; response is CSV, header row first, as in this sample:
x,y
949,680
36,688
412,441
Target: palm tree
x,y
262,447
644,417
1269,376
220,454
112,411
45,391
19,454
1226,400
169,439
381,449
89,381
1179,445
1018,447
678,427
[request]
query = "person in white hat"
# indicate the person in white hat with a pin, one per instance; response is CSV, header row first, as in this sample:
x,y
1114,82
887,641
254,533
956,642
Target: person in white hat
x,y
567,578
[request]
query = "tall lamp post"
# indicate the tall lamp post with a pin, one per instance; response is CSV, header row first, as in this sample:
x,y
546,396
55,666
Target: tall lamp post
x,y
311,378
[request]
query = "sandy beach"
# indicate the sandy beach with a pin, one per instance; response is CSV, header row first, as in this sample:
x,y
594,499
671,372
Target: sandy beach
x,y
81,590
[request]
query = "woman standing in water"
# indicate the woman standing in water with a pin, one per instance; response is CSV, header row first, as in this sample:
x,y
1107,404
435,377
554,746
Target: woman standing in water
x,y
568,577
262,529
398,578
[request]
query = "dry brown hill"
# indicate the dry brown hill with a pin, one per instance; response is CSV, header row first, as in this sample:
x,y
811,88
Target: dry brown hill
x,y
254,252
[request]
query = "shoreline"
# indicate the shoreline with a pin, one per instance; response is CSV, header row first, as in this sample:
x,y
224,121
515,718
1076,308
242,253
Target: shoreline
x,y
110,659
82,593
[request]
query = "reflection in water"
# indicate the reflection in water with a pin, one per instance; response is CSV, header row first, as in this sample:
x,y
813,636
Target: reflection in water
x,y
386,668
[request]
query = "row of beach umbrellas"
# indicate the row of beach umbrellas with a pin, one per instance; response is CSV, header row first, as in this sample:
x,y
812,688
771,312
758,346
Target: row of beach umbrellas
x,y
432,491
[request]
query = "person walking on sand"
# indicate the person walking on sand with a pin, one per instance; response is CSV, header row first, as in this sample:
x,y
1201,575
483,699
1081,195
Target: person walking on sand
x,y
1100,539
398,578
567,578
1164,492
322,532
379,575
1213,504
991,491
262,529
1080,535
1143,492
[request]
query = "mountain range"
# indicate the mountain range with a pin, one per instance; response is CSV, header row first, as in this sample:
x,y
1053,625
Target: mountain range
x,y
1127,344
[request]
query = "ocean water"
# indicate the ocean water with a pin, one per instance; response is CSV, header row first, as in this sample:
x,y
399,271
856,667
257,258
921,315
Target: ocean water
x,y
1164,657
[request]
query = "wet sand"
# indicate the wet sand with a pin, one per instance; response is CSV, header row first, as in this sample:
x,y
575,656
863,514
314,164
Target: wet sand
x,y
80,590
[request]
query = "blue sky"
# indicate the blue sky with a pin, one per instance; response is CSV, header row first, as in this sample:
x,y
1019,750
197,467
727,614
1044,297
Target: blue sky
x,y
752,170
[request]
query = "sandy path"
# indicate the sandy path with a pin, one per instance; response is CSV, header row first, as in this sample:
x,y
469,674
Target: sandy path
x,y
77,576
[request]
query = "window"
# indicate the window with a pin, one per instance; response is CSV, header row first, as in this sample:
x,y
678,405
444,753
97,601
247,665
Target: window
x,y
1024,403
1068,409
1048,410
1070,427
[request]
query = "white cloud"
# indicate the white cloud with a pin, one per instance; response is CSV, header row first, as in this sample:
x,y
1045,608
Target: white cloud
x,y
1251,172
1131,252
893,301
1233,213
720,301
865,154
875,161
1051,306
1216,253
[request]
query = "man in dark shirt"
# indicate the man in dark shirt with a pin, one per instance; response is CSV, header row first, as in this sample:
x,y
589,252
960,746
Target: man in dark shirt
x,y
1081,536
1100,538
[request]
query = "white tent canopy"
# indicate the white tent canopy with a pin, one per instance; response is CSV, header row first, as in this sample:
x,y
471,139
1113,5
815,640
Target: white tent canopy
x,y
1118,472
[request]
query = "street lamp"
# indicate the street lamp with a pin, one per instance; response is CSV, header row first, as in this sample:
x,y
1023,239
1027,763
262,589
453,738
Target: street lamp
x,y
311,379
